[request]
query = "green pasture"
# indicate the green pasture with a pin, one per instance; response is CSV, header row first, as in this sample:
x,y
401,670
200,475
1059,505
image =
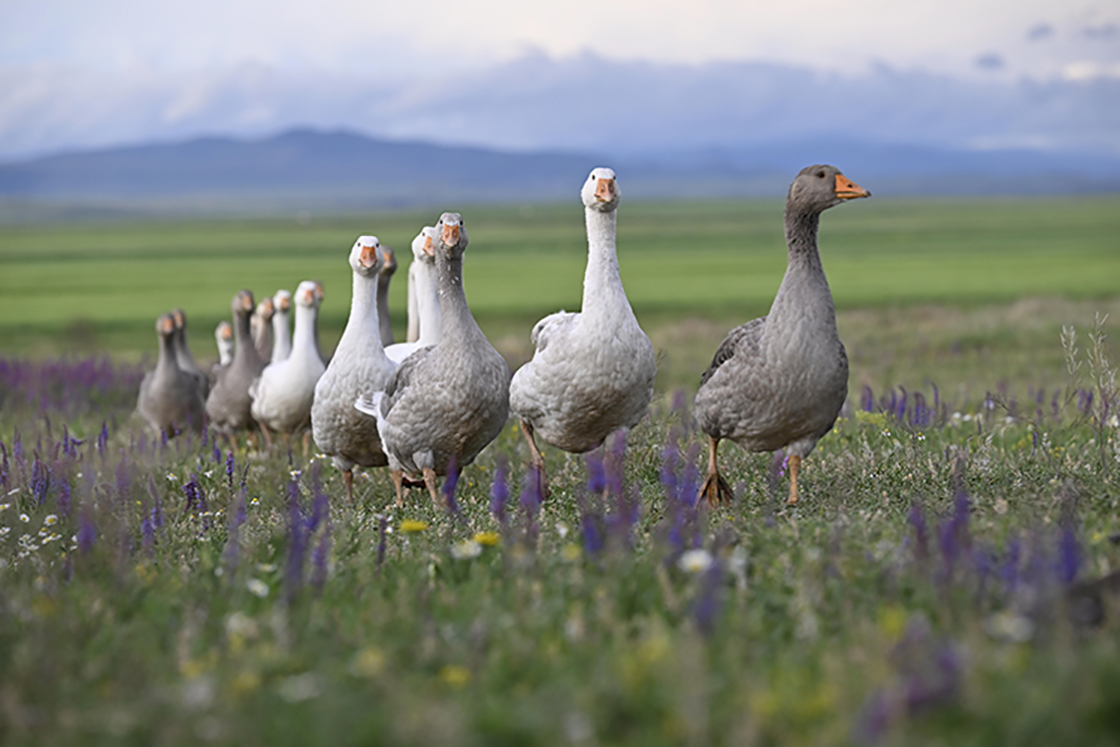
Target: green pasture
x,y
706,259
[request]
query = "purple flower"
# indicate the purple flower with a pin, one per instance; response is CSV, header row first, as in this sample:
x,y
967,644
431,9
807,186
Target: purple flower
x,y
1069,556
319,562
593,537
449,484
499,492
866,399
40,481
229,469
87,531
921,532
596,476
64,497
103,438
873,719
382,523
706,608
298,538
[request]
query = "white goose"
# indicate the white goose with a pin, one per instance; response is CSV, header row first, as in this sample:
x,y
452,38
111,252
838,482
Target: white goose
x,y
283,394
592,371
281,331
348,436
422,278
223,336
261,326
445,403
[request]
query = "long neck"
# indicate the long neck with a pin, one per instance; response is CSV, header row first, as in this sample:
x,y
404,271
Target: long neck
x,y
243,336
383,320
182,352
363,331
427,297
166,353
281,336
804,293
303,340
602,284
458,326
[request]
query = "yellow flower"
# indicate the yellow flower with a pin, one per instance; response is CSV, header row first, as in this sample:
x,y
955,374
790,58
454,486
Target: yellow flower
x,y
489,539
455,676
411,525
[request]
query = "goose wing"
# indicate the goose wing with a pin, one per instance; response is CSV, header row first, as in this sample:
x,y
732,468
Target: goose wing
x,y
741,341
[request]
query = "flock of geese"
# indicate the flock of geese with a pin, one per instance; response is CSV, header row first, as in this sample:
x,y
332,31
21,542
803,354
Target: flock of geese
x,y
427,407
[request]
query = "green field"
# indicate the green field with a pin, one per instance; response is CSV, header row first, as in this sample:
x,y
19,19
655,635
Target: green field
x,y
939,583
704,265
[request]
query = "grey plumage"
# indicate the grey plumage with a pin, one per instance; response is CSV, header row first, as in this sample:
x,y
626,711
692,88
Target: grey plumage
x,y
228,404
169,397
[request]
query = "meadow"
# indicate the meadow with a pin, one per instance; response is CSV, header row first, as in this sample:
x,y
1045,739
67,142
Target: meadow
x,y
938,584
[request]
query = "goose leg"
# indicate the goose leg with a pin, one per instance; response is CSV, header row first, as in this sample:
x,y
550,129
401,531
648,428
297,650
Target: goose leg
x,y
715,488
430,480
348,479
536,461
794,468
398,481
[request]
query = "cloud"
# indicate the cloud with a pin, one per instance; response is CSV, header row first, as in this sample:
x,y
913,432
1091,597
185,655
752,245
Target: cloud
x,y
990,61
1101,32
1040,32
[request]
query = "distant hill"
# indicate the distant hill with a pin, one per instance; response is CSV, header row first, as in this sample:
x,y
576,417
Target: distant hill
x,y
342,171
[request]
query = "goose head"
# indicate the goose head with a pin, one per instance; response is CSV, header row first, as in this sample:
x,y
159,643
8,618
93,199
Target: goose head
x,y
390,265
223,334
165,325
366,256
180,318
309,294
423,246
265,310
282,301
451,235
820,187
243,303
600,191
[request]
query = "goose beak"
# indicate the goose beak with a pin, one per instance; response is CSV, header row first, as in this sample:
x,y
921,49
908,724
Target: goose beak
x,y
227,333
450,234
368,257
285,303
247,302
846,189
309,296
604,190
318,291
429,248
167,325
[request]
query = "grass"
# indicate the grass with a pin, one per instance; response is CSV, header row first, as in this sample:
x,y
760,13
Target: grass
x,y
930,589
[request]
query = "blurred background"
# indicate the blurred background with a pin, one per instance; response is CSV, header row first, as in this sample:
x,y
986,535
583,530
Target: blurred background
x,y
161,154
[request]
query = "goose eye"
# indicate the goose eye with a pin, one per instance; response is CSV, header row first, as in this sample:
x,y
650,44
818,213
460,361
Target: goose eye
x,y
820,175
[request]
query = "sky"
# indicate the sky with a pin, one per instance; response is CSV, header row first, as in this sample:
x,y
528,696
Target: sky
x,y
67,65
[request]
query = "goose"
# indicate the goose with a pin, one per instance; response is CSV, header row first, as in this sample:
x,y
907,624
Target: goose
x,y
592,372
228,404
183,353
413,332
281,331
347,435
283,394
318,347
446,402
388,268
223,336
169,397
423,281
261,326
779,381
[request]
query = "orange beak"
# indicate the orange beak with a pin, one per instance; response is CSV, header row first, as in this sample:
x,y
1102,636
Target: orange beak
x,y
227,333
168,325
285,303
846,189
451,235
604,190
318,290
429,249
368,257
247,302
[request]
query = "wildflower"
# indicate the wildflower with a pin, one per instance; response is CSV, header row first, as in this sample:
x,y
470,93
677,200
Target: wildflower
x,y
4,531
257,587
369,662
695,561
487,539
570,552
409,526
24,518
455,676
300,687
50,521
466,550
4,506
172,476
1009,627
499,492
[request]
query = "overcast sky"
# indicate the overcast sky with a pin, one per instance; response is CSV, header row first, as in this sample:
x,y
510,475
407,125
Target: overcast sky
x,y
372,37
85,73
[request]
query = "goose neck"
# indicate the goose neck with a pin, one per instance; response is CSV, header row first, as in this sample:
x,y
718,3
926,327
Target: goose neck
x,y
455,316
801,237
427,296
304,337
602,283
363,328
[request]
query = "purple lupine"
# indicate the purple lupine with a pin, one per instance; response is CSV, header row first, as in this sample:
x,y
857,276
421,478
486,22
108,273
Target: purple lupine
x,y
148,535
230,469
449,484
215,452
614,464
122,479
103,438
1069,555
499,492
596,476
1085,401
63,502
706,608
531,502
40,481
87,531
873,718
319,562
4,466
866,399
592,534
297,543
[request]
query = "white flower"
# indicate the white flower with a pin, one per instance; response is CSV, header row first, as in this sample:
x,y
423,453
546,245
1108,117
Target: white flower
x,y
695,561
562,530
24,518
300,687
4,531
466,550
257,587
50,521
5,505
